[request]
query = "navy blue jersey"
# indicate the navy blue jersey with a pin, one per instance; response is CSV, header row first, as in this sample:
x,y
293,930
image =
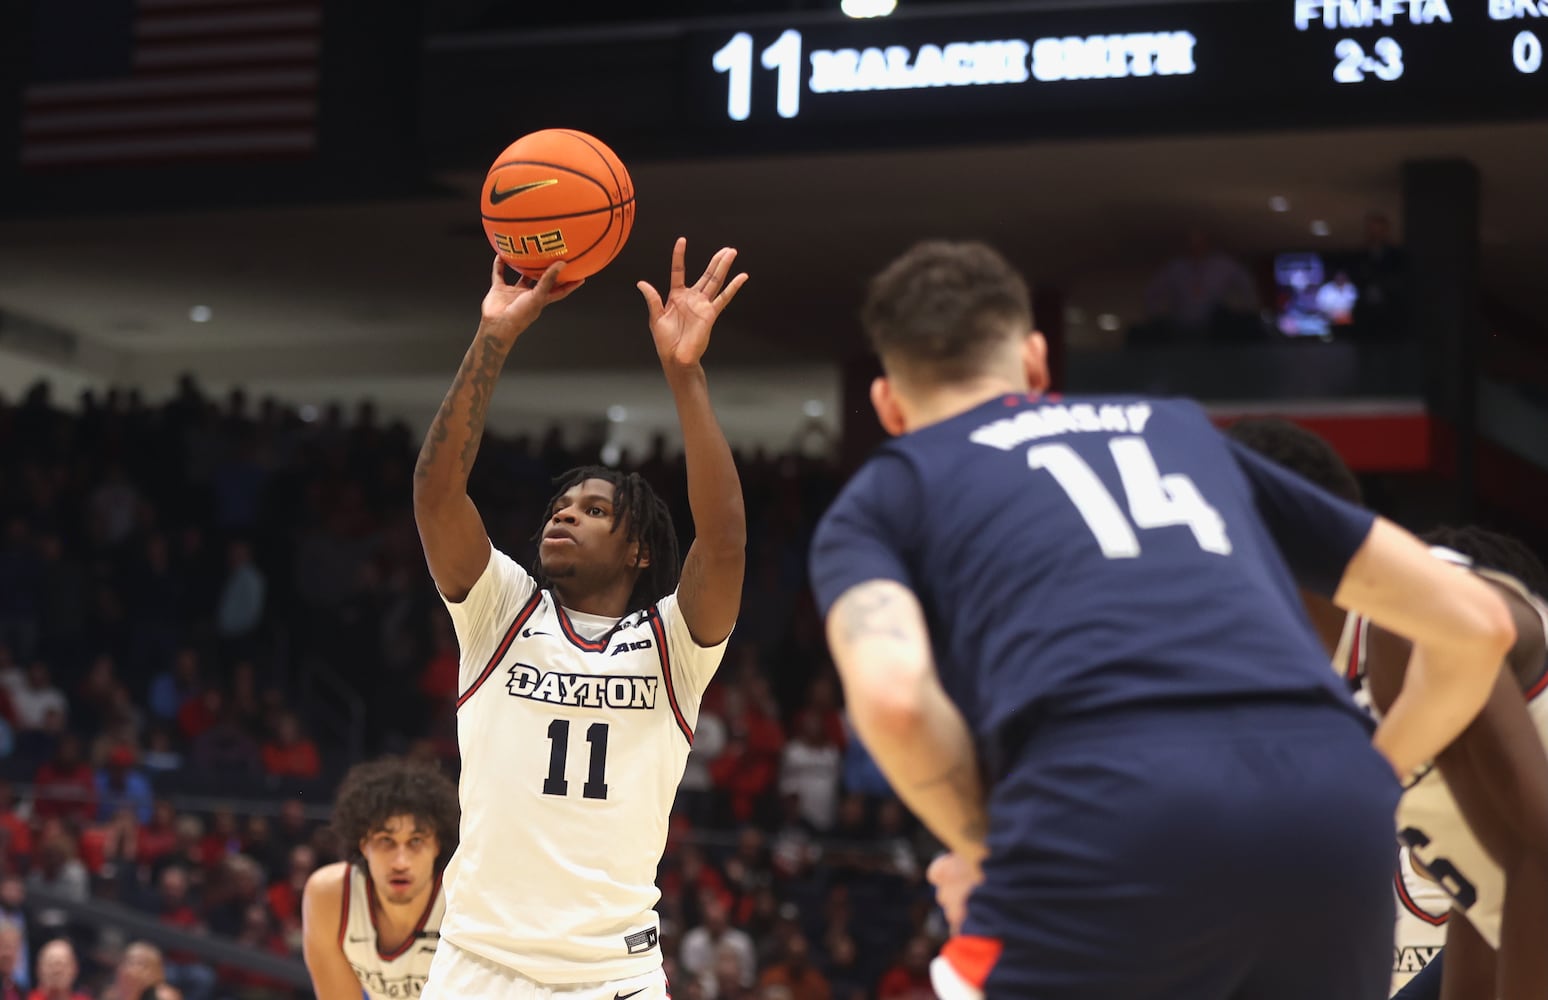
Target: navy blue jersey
x,y
1082,555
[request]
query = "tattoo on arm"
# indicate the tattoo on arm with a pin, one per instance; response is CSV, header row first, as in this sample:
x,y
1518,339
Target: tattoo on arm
x,y
473,386
491,357
874,610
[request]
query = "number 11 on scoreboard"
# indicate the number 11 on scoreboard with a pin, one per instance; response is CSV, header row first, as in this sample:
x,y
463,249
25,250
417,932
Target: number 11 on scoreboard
x,y
735,60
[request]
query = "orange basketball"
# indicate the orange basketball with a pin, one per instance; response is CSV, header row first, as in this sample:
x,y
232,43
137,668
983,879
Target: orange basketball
x,y
554,195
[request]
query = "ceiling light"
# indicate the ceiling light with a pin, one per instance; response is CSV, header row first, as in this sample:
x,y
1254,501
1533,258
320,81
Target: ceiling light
x,y
868,8
1320,227
617,414
307,413
1279,203
200,314
1109,322
612,454
813,408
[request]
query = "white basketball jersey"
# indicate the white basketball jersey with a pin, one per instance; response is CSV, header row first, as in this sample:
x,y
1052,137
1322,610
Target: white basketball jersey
x,y
1422,912
574,731
1430,823
383,975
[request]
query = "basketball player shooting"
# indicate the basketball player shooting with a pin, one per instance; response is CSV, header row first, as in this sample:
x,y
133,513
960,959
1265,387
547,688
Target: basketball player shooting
x,y
371,923
1182,799
581,680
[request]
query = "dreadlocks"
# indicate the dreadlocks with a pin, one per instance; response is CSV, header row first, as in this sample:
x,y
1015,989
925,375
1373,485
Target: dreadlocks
x,y
1491,550
646,520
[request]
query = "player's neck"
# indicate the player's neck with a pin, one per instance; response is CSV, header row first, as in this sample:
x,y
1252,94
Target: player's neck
x,y
943,402
608,601
396,921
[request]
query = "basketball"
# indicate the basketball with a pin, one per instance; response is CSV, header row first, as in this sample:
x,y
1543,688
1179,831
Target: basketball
x,y
554,195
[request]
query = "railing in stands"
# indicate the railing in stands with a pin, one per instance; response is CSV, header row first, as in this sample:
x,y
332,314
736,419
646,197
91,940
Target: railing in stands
x,y
98,914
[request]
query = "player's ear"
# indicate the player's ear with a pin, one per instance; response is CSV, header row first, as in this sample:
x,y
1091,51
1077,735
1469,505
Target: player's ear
x,y
888,410
1034,359
641,556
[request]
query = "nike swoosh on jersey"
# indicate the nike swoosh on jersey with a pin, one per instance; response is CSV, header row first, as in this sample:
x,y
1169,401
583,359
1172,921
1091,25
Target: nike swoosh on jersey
x,y
496,195
626,996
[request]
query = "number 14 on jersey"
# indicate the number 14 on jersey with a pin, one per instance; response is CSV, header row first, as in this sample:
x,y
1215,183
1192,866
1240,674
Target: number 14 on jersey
x,y
1155,501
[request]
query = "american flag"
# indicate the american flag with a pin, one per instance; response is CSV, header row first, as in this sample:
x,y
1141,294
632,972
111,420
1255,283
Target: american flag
x,y
156,81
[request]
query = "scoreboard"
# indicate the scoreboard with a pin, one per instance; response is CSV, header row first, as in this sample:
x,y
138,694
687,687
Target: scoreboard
x,y
941,74
1315,59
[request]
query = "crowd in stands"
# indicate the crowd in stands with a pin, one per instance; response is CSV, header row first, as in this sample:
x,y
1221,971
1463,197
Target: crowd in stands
x,y
201,601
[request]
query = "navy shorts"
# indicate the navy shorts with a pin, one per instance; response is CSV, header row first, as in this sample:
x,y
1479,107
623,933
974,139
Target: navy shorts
x,y
1228,852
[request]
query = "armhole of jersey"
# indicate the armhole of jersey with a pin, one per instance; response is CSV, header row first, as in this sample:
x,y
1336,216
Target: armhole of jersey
x,y
349,889
1349,657
505,644
1518,588
658,627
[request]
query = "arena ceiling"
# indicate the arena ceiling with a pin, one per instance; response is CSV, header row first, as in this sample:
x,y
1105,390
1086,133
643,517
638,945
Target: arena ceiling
x,y
337,302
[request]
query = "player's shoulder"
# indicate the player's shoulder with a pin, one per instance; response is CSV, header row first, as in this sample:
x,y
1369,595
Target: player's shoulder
x,y
327,885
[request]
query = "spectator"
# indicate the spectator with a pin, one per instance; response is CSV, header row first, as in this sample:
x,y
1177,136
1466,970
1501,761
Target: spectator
x,y
810,771
113,507
18,832
58,871
33,701
13,900
120,785
241,596
724,980
159,837
58,970
796,973
10,952
291,754
1381,275
177,684
696,789
160,755
1202,294
845,977
704,943
226,749
909,978
284,895
138,974
66,786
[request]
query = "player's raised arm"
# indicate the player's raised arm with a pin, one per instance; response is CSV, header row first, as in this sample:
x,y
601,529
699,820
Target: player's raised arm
x,y
709,592
322,906
456,544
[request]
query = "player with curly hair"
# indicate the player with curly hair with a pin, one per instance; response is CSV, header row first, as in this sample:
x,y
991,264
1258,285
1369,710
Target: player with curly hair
x,y
372,922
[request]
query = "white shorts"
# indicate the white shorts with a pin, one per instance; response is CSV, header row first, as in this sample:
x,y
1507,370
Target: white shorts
x,y
461,975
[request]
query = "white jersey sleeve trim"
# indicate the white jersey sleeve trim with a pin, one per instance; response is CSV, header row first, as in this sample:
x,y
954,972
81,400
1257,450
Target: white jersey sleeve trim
x,y
481,618
692,665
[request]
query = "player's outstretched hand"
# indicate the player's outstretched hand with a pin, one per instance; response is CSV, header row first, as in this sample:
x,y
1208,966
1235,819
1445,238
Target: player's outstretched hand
x,y
954,880
681,325
510,308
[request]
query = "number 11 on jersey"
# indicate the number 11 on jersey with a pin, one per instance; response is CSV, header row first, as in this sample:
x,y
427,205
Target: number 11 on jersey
x,y
559,752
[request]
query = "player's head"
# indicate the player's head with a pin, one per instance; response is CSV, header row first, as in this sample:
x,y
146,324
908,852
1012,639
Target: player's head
x,y
1492,550
948,315
604,523
1300,451
398,817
